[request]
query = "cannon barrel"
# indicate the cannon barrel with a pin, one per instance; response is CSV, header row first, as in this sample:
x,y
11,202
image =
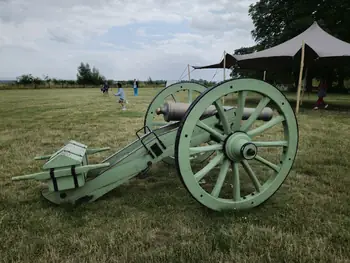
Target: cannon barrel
x,y
174,111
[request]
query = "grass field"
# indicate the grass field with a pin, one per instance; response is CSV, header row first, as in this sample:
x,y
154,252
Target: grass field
x,y
155,219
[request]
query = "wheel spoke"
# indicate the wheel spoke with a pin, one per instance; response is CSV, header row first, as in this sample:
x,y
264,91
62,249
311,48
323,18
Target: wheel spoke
x,y
267,163
236,183
199,175
210,130
207,148
252,175
240,109
266,126
173,96
248,123
219,107
221,178
271,144
189,96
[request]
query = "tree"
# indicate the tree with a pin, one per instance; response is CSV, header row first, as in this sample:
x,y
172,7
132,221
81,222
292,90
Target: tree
x,y
84,74
87,76
47,79
96,77
276,21
25,79
55,81
71,82
110,82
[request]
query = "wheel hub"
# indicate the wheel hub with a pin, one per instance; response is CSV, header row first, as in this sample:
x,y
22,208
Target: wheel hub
x,y
238,146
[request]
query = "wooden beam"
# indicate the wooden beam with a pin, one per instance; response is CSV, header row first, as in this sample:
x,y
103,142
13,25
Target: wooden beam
x,y
304,87
224,65
223,98
300,75
189,73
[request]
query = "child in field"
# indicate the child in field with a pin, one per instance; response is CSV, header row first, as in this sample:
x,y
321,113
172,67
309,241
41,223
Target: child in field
x,y
121,94
105,88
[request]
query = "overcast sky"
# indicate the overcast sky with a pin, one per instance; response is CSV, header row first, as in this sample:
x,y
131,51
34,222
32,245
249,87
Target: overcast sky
x,y
123,39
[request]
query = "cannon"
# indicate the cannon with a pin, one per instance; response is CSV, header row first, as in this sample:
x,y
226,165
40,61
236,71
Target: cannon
x,y
198,137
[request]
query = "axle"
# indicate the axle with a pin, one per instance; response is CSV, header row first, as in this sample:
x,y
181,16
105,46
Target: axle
x,y
174,111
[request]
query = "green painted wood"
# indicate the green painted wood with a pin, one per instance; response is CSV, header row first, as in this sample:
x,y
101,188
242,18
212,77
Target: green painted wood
x,y
60,172
121,166
237,145
43,157
97,150
71,154
66,183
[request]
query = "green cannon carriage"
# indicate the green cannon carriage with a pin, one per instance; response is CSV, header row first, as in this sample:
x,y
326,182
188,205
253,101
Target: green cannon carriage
x,y
198,138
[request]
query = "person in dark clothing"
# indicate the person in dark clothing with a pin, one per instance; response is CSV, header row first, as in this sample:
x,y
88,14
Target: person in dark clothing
x,y
322,92
105,88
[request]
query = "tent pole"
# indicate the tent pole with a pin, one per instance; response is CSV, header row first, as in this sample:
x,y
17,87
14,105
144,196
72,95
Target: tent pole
x,y
224,65
300,75
189,73
304,87
223,98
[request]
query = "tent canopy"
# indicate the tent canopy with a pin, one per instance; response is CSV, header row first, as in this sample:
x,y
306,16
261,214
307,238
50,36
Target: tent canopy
x,y
230,62
319,47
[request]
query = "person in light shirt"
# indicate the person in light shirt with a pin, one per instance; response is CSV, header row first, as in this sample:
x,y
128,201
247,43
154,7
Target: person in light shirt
x,y
121,95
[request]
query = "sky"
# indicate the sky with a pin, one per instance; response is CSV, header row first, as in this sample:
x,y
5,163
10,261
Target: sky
x,y
123,39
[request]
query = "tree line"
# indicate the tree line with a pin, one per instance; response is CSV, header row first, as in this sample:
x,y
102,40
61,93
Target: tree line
x,y
276,21
86,76
89,76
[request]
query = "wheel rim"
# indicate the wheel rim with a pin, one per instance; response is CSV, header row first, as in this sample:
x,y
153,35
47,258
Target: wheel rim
x,y
172,93
236,146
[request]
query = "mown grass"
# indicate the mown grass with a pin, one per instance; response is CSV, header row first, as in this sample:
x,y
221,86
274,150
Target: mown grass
x,y
155,219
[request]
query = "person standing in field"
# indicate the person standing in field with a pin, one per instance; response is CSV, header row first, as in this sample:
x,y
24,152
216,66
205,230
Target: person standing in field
x,y
136,87
322,92
121,94
105,88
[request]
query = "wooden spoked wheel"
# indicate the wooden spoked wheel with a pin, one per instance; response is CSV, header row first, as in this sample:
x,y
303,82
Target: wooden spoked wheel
x,y
233,178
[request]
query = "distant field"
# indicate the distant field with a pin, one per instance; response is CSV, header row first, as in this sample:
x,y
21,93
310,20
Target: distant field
x,y
155,219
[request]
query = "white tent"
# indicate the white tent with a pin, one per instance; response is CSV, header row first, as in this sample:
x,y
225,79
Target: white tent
x,y
313,47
